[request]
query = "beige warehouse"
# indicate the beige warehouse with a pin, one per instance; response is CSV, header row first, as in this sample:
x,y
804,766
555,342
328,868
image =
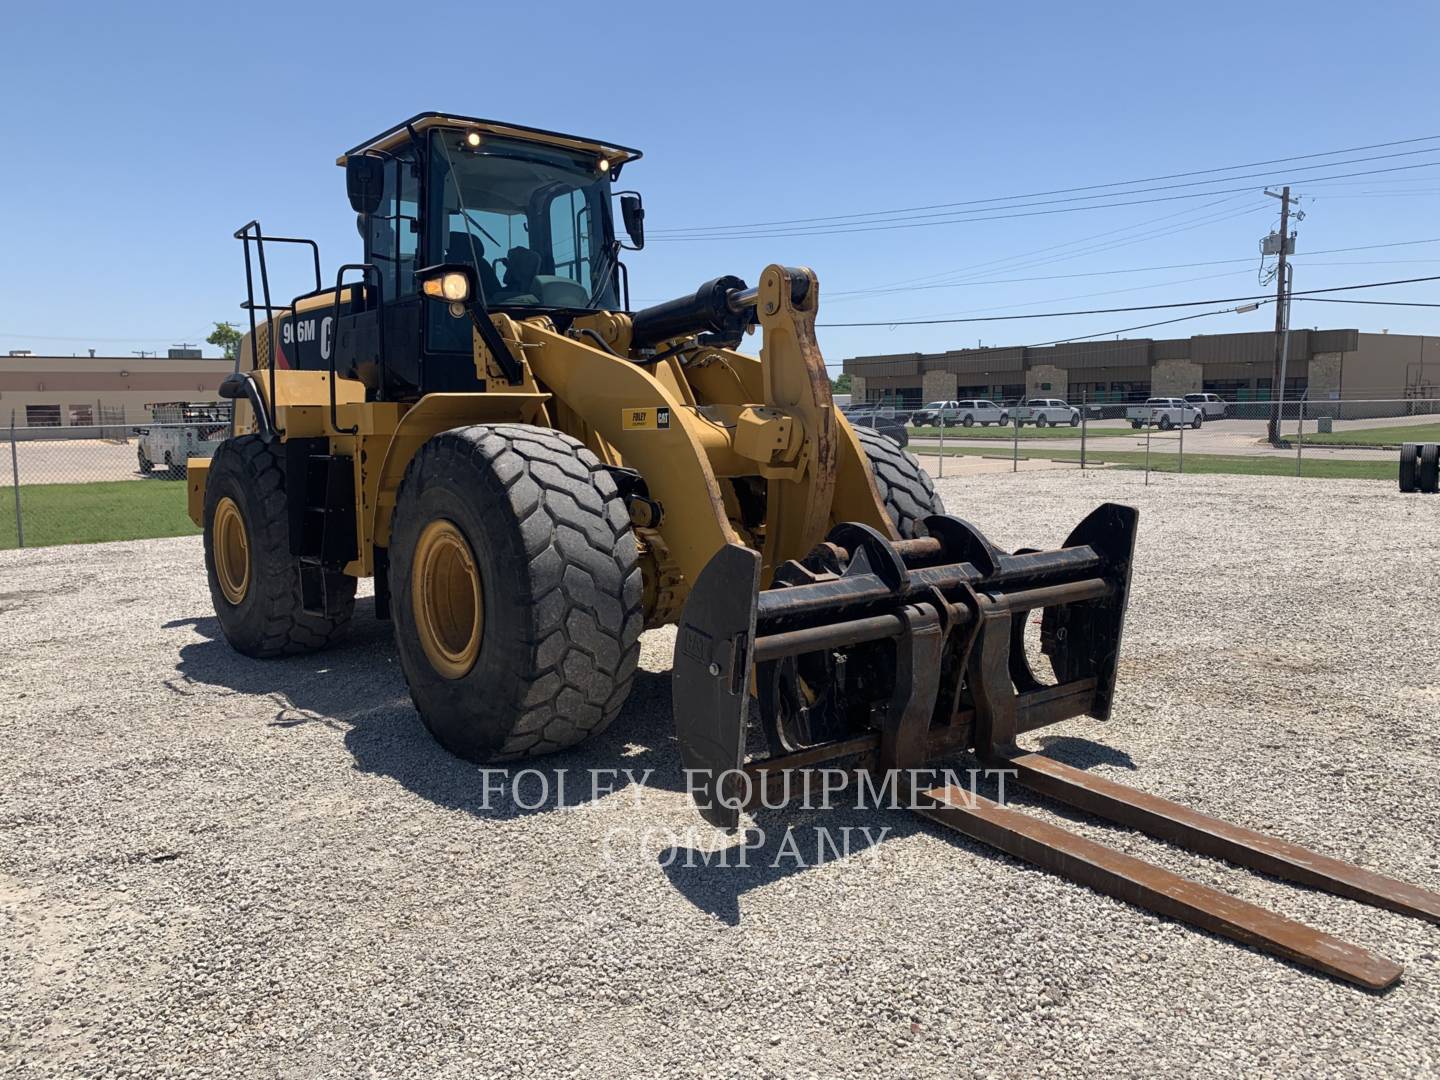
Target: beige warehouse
x,y
1324,364
83,391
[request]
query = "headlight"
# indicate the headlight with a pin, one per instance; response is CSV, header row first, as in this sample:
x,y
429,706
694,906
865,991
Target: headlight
x,y
453,286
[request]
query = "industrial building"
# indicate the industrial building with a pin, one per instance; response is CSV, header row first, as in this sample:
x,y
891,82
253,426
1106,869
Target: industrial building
x,y
91,391
1321,364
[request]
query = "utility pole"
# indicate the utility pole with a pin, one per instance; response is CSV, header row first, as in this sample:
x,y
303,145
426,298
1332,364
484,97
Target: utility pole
x,y
1282,316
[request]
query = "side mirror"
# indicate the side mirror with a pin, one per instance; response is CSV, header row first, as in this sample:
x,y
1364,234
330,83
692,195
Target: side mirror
x,y
632,212
365,182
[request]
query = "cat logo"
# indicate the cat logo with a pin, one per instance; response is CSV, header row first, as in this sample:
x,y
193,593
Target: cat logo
x,y
646,419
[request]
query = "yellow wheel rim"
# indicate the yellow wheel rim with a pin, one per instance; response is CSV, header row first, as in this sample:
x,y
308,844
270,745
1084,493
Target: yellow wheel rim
x,y
447,599
232,551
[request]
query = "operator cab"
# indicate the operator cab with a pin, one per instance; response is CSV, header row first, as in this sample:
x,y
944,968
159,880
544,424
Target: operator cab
x,y
524,213
527,211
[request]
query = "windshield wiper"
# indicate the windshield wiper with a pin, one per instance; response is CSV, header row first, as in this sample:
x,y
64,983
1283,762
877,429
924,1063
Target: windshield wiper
x,y
611,262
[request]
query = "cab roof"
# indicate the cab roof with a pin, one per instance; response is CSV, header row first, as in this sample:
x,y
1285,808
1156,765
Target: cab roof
x,y
398,135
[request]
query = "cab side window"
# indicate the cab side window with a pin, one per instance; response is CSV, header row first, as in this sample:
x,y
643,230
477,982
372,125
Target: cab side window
x,y
407,228
570,236
381,246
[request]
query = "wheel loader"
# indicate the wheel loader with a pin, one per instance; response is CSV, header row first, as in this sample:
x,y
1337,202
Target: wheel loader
x,y
533,472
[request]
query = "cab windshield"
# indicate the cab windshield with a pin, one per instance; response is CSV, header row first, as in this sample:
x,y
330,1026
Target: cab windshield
x,y
532,220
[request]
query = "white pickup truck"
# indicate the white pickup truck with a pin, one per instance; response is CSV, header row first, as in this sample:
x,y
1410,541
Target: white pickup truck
x,y
181,431
968,413
1165,413
1046,412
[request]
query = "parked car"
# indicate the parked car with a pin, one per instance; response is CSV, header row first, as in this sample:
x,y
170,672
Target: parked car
x,y
930,414
883,419
966,413
889,412
1045,412
1165,413
1213,406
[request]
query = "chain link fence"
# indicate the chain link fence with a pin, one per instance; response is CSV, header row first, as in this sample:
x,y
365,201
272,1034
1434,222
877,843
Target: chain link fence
x,y
1356,438
109,481
76,485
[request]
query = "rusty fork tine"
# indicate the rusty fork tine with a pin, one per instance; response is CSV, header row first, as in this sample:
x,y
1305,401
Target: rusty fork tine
x,y
1138,882
1220,839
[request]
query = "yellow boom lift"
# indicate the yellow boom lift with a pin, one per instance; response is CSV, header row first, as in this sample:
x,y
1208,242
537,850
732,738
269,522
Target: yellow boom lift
x,y
533,473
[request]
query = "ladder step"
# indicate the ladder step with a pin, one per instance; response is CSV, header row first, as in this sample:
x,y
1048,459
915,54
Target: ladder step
x,y
1206,835
1137,882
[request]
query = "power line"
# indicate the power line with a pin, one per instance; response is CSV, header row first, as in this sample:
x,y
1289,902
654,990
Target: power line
x,y
1153,285
1142,326
1140,307
1025,260
1057,191
1102,333
865,219
857,293
928,220
1378,303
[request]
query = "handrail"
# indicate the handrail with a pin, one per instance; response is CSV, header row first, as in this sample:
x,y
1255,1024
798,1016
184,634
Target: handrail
x,y
251,231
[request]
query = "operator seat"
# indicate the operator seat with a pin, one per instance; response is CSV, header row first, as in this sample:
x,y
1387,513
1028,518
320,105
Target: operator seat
x,y
521,266
458,249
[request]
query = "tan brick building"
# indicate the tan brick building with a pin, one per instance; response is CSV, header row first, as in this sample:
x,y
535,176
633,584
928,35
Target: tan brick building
x,y
1324,364
85,391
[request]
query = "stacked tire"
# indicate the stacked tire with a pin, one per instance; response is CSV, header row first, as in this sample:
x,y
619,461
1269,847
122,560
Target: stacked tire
x,y
1420,467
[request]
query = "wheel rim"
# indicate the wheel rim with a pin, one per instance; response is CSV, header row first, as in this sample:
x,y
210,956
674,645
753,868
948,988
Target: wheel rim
x,y
232,551
446,597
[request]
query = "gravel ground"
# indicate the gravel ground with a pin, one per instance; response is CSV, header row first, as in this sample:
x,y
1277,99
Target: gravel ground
x,y
213,866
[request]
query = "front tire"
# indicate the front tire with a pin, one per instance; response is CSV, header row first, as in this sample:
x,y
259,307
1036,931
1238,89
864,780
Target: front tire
x,y
254,580
905,488
517,591
145,463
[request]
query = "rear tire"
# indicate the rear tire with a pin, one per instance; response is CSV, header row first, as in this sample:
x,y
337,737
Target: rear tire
x,y
969,421
254,580
1165,423
548,656
1409,466
905,487
1430,467
1042,420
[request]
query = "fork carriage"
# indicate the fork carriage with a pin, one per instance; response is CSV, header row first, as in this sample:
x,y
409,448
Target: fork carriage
x,y
886,656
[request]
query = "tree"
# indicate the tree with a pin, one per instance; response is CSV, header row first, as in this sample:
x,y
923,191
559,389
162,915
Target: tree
x,y
842,384
227,337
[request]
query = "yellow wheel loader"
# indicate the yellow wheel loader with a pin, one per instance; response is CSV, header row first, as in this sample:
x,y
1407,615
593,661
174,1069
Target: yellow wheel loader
x,y
532,473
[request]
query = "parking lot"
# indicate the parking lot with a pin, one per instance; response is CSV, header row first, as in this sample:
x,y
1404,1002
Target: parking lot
x,y
214,866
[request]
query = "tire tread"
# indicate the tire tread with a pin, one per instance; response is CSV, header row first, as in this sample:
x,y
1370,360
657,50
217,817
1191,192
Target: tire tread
x,y
904,486
582,581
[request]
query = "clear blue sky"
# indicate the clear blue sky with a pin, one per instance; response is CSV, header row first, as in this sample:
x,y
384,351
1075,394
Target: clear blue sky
x,y
139,137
